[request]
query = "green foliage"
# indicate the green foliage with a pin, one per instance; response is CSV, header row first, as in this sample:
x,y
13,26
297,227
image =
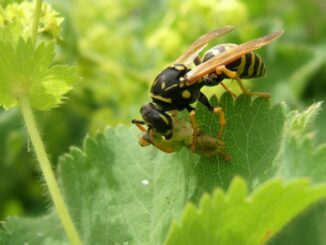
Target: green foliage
x,y
15,21
300,156
28,71
252,138
120,46
34,231
235,218
119,192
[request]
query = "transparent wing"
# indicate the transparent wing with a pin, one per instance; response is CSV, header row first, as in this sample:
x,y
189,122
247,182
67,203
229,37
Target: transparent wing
x,y
229,56
190,54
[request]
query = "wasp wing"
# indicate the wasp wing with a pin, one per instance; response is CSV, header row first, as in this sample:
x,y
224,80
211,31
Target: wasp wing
x,y
228,56
190,54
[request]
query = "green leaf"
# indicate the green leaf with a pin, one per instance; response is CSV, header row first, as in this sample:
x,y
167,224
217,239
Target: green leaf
x,y
44,230
28,71
252,138
123,193
299,154
235,218
308,228
119,192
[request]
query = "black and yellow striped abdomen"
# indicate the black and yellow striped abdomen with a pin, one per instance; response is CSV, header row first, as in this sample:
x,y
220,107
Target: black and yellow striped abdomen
x,y
249,65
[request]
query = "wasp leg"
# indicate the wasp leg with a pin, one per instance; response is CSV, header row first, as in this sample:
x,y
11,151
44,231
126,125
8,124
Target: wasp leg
x,y
218,110
140,126
163,148
149,137
233,75
227,89
194,126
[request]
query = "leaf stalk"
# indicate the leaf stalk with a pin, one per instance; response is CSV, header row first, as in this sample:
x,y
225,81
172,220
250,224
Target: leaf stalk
x,y
36,20
48,174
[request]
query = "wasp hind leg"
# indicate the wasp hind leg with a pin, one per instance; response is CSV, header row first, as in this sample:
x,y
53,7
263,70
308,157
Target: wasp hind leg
x,y
234,75
227,89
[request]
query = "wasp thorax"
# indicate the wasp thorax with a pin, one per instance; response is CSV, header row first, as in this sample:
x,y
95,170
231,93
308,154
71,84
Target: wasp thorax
x,y
157,119
168,79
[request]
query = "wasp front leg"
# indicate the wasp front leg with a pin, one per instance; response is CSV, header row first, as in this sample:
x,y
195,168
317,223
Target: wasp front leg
x,y
139,124
217,110
193,121
234,75
148,137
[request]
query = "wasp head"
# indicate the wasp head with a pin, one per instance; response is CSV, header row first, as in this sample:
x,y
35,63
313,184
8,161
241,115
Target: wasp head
x,y
157,120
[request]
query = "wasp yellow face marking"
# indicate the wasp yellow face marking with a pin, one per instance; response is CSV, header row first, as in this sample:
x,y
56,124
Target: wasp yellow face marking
x,y
181,84
181,79
162,85
166,121
186,94
158,97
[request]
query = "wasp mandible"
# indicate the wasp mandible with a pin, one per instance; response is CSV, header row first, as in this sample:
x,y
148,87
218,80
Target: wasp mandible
x,y
178,85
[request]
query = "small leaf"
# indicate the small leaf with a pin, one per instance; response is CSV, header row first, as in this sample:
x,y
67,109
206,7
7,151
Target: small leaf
x,y
299,155
28,71
234,218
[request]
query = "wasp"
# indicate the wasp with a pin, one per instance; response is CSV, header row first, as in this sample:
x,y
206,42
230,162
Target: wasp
x,y
179,85
182,134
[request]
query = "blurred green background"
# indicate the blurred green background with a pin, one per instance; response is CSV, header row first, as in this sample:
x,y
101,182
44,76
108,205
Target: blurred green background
x,y
120,46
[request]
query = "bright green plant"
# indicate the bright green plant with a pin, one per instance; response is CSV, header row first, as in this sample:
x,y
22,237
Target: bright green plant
x,y
119,193
29,80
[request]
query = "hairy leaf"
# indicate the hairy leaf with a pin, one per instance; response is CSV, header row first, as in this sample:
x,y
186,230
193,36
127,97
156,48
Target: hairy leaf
x,y
44,230
301,156
119,192
252,138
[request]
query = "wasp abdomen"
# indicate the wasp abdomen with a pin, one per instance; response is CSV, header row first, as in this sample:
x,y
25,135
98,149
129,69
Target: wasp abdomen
x,y
249,65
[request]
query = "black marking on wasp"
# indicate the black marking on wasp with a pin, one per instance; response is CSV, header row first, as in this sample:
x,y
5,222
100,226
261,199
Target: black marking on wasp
x,y
249,65
178,86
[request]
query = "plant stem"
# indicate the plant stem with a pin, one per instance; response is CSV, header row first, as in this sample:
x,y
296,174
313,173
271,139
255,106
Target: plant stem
x,y
37,14
45,165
